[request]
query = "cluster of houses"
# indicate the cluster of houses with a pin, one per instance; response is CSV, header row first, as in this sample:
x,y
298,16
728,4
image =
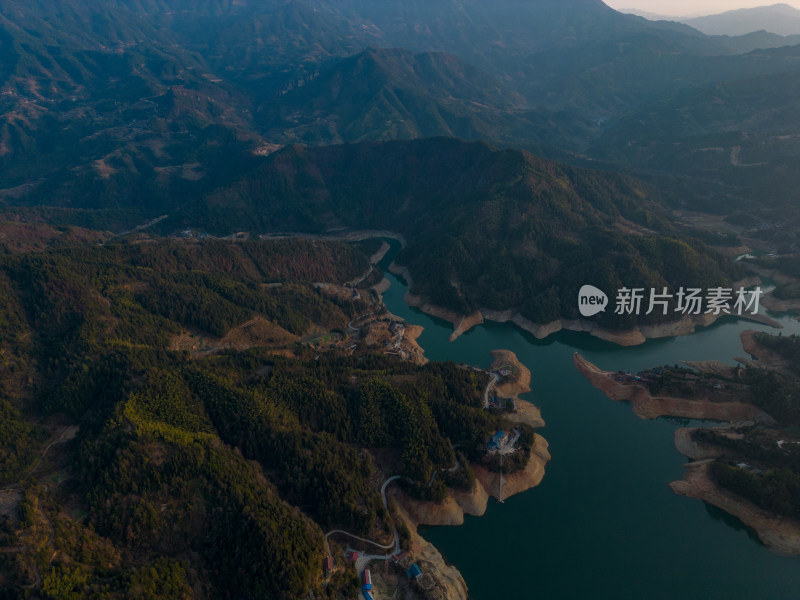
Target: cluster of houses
x,y
188,234
397,330
393,345
413,571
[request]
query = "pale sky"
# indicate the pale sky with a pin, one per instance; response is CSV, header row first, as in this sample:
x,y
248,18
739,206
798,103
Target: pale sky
x,y
688,8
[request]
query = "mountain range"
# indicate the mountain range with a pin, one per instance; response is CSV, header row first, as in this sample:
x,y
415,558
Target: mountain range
x,y
780,19
776,19
136,102
220,398
504,228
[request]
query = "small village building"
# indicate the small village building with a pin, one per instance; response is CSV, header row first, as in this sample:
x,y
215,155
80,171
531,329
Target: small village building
x,y
367,581
497,439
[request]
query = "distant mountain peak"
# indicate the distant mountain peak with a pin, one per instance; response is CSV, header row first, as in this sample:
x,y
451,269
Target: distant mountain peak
x,y
781,19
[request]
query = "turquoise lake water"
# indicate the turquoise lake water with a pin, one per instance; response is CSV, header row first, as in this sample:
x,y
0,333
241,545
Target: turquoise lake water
x,y
603,524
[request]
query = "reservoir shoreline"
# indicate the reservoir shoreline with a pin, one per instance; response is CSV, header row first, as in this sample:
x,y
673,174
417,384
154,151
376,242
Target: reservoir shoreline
x,y
474,502
779,534
632,524
633,337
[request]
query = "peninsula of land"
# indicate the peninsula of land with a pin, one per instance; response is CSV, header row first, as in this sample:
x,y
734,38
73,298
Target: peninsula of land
x,y
747,466
725,405
511,378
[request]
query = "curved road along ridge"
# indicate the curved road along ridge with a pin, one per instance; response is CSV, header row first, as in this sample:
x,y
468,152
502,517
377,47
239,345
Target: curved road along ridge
x,y
365,559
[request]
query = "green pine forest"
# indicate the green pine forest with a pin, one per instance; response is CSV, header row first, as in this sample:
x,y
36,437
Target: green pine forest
x,y
212,474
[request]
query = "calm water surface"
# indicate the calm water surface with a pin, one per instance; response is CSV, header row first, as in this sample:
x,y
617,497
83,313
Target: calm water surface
x,y
603,523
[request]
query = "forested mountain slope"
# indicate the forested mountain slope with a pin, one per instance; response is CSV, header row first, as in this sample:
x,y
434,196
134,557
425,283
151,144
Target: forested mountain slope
x,y
212,474
503,228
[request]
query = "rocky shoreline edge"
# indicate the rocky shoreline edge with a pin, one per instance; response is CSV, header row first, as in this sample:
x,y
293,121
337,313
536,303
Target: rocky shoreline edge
x,y
634,337
474,502
779,534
